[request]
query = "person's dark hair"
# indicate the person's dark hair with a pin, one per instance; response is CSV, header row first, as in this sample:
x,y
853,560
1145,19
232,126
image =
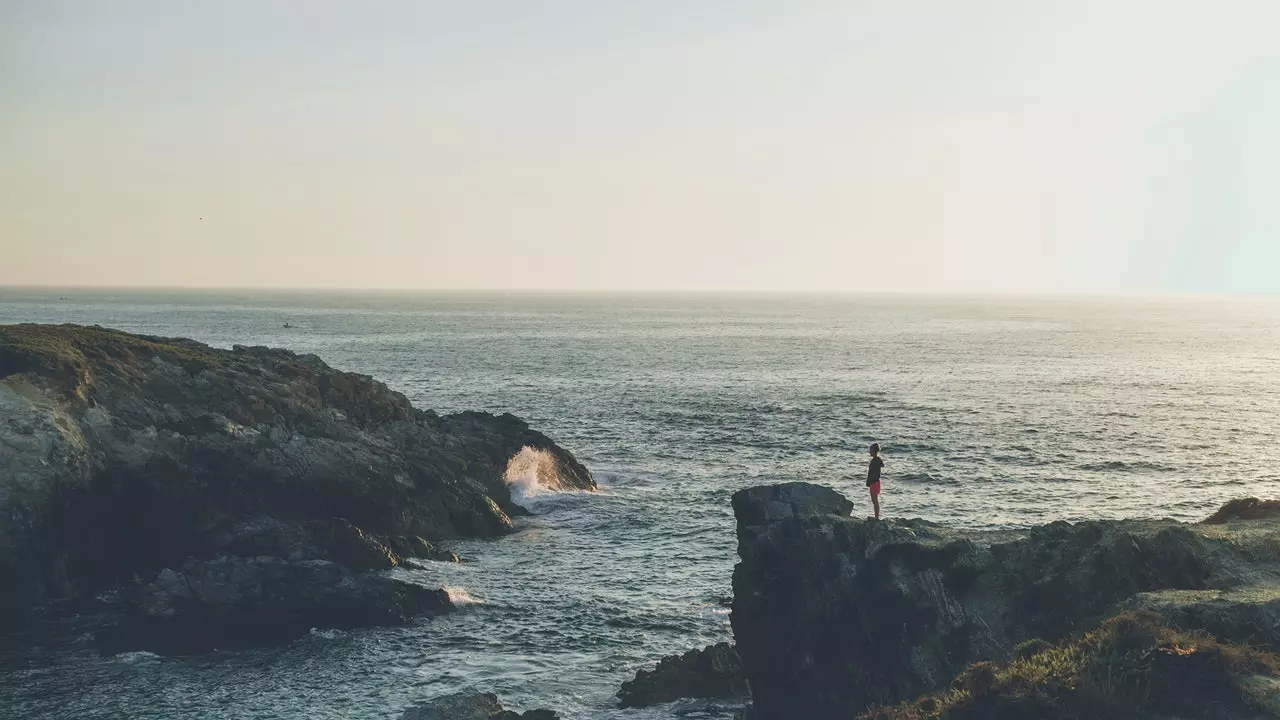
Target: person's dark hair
x,y
875,448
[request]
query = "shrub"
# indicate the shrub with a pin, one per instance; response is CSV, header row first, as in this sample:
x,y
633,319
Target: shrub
x,y
1131,666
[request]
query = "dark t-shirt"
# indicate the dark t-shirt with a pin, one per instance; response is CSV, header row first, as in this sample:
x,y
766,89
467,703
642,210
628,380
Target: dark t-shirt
x,y
873,470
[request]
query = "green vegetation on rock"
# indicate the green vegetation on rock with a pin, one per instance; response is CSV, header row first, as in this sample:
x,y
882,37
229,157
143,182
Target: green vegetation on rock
x,y
66,353
1132,666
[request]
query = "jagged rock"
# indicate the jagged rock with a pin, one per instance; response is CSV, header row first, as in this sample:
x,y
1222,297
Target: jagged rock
x,y
122,455
233,602
416,547
350,547
832,614
467,706
712,672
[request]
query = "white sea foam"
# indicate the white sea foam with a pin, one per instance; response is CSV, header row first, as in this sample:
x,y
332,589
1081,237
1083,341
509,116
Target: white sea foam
x,y
460,596
136,656
531,473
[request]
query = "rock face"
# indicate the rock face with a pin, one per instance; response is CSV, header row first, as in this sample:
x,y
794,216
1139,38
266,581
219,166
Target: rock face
x,y
465,706
122,455
712,672
832,615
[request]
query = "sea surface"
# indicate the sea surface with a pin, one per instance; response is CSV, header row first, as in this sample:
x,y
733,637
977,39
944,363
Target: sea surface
x,y
993,412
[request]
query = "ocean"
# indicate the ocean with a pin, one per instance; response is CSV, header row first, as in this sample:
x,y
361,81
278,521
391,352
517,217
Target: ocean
x,y
992,412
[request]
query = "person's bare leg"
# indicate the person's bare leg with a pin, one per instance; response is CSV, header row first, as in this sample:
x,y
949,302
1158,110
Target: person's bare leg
x,y
875,501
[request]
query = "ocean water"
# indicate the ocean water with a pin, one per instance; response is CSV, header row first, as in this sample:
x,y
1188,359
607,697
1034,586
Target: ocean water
x,y
993,412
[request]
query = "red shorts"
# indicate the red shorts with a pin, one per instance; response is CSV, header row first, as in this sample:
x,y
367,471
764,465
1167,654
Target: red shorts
x,y
874,487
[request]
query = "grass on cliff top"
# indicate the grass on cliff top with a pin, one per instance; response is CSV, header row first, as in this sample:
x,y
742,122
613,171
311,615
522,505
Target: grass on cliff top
x,y
64,352
1132,666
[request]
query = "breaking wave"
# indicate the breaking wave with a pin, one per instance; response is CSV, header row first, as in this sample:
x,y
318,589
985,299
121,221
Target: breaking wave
x,y
532,472
460,596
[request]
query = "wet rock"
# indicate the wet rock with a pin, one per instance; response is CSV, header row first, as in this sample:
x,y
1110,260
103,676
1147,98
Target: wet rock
x,y
416,547
467,706
457,707
232,603
712,672
832,614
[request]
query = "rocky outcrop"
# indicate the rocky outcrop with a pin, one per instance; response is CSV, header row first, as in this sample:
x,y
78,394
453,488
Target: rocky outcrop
x,y
231,603
1244,509
712,672
832,615
465,706
123,455
1133,666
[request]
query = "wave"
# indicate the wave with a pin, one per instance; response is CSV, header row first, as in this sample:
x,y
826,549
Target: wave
x,y
531,473
460,596
922,478
136,656
1122,466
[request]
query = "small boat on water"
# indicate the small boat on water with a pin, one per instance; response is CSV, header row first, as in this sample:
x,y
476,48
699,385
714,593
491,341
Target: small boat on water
x,y
286,325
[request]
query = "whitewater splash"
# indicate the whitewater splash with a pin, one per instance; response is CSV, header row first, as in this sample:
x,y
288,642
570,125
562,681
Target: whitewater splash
x,y
532,472
136,656
460,596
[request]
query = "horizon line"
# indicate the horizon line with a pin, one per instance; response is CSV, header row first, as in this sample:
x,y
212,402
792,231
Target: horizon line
x,y
303,289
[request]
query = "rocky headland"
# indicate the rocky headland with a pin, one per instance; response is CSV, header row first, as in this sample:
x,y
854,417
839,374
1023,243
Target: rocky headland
x,y
835,616
228,498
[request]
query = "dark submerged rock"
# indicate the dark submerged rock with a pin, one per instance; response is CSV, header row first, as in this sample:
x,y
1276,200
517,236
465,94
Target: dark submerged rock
x,y
230,603
123,455
468,706
712,672
832,615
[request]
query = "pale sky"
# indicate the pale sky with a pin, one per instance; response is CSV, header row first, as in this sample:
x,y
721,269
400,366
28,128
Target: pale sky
x,y
865,145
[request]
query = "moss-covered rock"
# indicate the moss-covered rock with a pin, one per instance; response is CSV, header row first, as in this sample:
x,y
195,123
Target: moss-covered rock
x,y
1133,666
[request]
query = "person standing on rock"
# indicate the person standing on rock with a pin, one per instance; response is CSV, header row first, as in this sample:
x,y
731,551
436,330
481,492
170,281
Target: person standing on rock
x,y
873,477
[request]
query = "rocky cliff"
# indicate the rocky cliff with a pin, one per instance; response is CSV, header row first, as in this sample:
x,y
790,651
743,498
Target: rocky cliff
x,y
832,615
123,455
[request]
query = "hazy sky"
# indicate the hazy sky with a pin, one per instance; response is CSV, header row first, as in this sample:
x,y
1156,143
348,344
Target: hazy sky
x,y
866,145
